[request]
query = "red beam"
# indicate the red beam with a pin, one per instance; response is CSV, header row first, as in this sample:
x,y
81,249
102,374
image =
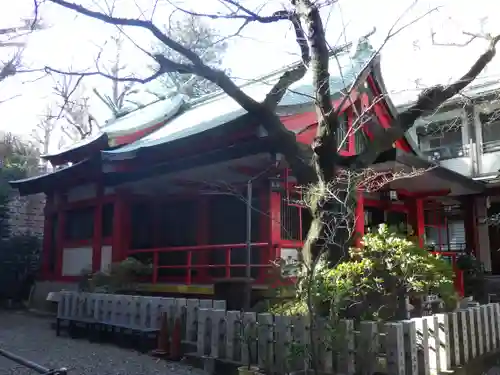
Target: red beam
x,y
423,194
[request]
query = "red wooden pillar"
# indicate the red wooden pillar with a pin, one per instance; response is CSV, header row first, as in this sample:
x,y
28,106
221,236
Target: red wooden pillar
x,y
47,243
274,223
360,217
121,228
97,237
202,238
416,218
61,224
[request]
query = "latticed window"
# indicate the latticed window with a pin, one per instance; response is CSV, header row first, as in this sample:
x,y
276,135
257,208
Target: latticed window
x,y
295,217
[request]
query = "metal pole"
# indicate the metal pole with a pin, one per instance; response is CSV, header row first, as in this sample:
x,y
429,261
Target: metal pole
x,y
31,365
248,269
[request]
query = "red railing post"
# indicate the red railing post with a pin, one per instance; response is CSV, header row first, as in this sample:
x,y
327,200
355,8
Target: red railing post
x,y
228,262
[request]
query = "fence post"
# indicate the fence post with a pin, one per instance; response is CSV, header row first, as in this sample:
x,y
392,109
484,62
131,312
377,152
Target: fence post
x,y
410,347
367,348
346,355
423,332
265,341
453,329
443,342
491,321
479,330
395,349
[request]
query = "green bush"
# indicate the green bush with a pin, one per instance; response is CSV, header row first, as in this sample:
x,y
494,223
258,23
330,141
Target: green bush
x,y
373,282
119,277
19,264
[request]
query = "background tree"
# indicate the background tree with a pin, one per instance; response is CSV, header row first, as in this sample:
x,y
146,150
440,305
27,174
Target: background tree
x,y
76,121
116,101
196,35
12,44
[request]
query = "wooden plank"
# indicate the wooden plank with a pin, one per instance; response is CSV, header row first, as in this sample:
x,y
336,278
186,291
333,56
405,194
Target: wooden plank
x,y
265,342
464,336
206,303
471,328
479,330
219,304
347,351
491,322
410,347
423,334
486,328
202,336
367,348
496,307
433,329
217,320
443,342
299,361
120,310
232,336
453,329
248,341
395,349
283,337
191,319
62,305
180,306
108,305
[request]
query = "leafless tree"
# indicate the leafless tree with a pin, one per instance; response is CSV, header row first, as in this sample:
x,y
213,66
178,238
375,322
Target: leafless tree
x,y
316,166
43,133
13,42
76,121
119,90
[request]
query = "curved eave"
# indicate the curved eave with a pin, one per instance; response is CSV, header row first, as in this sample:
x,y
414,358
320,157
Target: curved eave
x,y
219,131
379,81
50,181
79,151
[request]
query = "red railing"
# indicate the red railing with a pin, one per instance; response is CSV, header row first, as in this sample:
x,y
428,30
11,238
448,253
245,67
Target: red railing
x,y
459,274
198,260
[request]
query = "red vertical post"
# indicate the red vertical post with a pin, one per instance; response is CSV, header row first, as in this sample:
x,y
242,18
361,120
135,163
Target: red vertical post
x,y
416,218
61,224
360,217
274,223
97,237
228,262
202,256
48,241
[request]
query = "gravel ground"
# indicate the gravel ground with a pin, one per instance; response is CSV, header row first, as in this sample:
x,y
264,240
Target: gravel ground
x,y
31,337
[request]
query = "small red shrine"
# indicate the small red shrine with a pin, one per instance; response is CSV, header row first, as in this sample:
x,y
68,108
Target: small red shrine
x,y
166,183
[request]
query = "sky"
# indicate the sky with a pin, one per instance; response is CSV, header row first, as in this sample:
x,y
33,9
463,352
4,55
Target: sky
x,y
410,60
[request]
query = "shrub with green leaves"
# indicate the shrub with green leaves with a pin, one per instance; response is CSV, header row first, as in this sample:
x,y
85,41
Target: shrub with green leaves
x,y
375,279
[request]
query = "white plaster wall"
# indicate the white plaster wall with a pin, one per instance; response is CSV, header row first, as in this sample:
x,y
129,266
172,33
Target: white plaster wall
x,y
106,254
82,192
75,260
490,163
459,165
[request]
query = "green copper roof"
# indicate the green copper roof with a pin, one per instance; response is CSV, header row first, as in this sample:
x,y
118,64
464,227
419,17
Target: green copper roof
x,y
220,109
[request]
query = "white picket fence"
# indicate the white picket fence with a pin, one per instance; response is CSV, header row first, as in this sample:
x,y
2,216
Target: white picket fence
x,y
282,345
134,312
